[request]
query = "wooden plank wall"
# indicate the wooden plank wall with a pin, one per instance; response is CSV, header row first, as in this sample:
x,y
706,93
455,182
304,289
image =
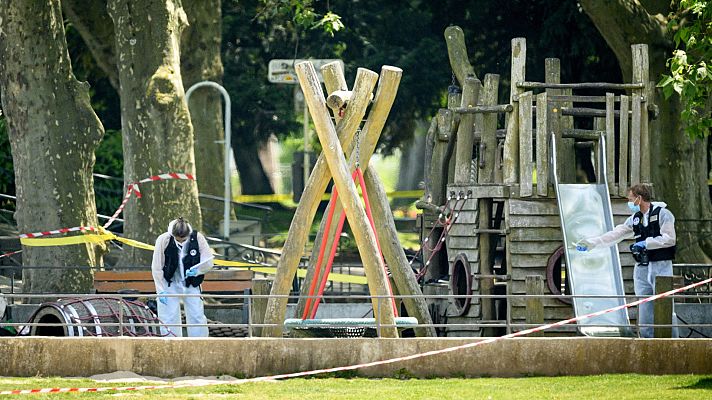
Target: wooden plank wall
x,y
462,239
534,234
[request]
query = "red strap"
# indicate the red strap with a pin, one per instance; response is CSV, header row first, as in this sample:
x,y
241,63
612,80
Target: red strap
x,y
329,263
362,182
342,218
319,260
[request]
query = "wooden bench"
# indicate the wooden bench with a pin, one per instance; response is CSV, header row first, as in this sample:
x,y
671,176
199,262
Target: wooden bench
x,y
216,282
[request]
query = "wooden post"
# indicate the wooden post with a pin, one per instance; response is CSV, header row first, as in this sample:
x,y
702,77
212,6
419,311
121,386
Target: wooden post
x,y
431,144
439,170
457,52
610,143
349,197
525,144
641,74
599,124
397,262
623,148
535,305
511,141
259,305
454,101
489,129
465,134
635,142
662,308
542,146
566,157
334,81
306,210
386,231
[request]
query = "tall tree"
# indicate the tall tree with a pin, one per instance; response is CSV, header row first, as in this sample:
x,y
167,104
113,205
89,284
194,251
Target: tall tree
x,y
53,133
201,61
156,128
679,166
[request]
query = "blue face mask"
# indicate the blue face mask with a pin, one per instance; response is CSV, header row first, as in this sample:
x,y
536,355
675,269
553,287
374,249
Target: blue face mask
x,y
633,207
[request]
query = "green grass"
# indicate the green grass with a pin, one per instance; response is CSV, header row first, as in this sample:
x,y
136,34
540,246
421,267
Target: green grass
x,y
618,387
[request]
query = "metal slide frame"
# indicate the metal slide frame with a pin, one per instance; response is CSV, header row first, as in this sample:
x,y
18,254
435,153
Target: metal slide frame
x,y
585,211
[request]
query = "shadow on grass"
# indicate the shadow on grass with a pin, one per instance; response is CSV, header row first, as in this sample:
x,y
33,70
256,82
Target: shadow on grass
x,y
704,383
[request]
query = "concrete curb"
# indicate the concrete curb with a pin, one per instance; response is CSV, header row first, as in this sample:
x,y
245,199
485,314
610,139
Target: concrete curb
x,y
252,357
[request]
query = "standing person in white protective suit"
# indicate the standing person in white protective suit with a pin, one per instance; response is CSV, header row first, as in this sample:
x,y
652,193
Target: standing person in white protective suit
x,y
653,228
180,259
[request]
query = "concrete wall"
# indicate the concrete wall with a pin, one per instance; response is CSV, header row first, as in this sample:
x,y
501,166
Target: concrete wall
x,y
40,356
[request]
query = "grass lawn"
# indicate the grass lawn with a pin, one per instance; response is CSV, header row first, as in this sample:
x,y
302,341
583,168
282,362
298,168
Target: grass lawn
x,y
618,387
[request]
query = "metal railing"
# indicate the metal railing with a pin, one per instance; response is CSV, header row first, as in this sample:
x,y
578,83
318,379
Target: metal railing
x,y
250,325
505,322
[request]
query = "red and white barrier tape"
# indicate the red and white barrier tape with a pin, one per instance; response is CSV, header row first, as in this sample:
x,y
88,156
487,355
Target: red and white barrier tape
x,y
58,231
132,188
373,363
11,253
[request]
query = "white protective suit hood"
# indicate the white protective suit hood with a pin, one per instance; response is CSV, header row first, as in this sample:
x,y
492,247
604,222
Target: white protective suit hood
x,y
170,227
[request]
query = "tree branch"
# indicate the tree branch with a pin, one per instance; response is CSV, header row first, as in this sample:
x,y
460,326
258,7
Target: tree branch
x,y
93,23
623,23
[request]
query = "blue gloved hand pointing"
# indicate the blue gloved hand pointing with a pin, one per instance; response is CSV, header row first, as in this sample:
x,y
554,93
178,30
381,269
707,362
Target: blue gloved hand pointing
x,y
162,299
191,272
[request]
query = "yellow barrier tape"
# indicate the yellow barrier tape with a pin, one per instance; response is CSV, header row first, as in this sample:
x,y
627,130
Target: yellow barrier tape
x,y
134,243
66,240
302,273
276,198
99,238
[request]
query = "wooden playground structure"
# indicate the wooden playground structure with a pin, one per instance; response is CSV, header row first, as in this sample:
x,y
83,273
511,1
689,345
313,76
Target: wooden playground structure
x,y
490,224
489,195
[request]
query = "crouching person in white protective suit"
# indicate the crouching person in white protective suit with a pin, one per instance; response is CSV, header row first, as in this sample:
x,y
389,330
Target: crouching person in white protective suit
x,y
180,259
653,228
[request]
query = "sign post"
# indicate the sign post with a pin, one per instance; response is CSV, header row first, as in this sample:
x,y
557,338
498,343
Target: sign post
x,y
282,71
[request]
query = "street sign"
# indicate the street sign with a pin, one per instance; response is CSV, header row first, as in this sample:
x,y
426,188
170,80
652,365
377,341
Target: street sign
x,y
282,70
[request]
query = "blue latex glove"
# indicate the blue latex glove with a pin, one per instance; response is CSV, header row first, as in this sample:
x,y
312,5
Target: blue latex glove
x,y
191,272
582,245
162,299
640,245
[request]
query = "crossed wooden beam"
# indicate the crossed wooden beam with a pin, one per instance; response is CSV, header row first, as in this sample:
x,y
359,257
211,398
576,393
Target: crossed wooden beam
x,y
337,140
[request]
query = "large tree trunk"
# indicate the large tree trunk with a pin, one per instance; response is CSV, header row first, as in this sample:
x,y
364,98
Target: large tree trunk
x,y
53,133
679,165
156,128
200,61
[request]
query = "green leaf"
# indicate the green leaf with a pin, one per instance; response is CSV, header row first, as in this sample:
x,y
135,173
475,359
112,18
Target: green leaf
x,y
665,81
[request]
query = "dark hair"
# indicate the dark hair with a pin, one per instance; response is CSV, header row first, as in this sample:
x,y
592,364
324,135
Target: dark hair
x,y
180,228
644,191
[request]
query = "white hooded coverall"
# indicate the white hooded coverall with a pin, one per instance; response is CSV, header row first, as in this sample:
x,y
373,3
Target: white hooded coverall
x,y
169,313
644,276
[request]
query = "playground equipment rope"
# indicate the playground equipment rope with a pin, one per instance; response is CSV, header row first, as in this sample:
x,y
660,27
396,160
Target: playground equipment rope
x,y
446,222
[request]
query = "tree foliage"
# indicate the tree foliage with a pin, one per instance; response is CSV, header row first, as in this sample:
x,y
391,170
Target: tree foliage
x,y
690,66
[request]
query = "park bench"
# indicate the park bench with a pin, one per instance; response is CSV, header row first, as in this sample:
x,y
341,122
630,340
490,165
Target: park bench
x,y
216,282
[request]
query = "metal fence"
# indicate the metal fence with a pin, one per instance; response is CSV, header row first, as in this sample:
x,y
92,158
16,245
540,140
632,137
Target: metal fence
x,y
124,326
